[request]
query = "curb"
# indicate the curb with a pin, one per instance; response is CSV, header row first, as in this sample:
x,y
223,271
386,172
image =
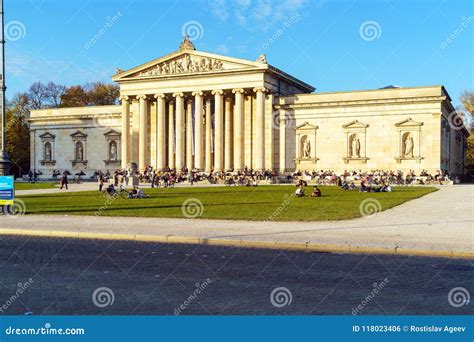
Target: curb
x,y
305,247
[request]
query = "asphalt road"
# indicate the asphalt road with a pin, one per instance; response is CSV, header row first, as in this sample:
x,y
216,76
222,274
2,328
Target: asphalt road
x,y
73,276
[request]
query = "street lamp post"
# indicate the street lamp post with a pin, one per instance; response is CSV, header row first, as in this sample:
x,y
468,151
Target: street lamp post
x,y
4,159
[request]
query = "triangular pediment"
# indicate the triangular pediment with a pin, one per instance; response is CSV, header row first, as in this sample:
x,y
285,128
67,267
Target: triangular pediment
x,y
306,126
78,134
47,135
355,124
112,133
408,123
188,62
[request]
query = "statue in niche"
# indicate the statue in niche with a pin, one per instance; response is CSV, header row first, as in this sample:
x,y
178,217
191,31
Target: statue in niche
x,y
113,151
355,147
79,151
307,149
47,152
409,146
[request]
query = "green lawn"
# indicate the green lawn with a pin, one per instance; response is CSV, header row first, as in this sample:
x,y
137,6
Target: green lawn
x,y
233,203
32,186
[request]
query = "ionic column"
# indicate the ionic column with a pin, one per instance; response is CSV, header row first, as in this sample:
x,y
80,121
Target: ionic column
x,y
283,124
260,129
125,148
208,160
179,130
160,131
228,134
142,132
238,129
171,163
219,130
198,139
189,135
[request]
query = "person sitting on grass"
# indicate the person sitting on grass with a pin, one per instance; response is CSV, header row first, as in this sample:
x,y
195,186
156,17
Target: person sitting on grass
x,y
110,190
140,193
299,191
133,193
316,192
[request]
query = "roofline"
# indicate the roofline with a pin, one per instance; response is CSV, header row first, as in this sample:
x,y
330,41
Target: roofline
x,y
373,90
69,108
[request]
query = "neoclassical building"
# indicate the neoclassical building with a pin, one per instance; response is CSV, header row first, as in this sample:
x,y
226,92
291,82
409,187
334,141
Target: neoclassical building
x,y
205,111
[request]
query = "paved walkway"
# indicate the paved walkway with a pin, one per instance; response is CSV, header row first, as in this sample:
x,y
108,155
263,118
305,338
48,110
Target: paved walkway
x,y
441,222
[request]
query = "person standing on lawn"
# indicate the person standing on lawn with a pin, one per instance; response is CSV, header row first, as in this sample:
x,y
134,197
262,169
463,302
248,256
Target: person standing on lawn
x,y
64,181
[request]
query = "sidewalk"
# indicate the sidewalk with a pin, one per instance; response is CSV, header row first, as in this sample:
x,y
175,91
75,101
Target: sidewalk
x,y
438,224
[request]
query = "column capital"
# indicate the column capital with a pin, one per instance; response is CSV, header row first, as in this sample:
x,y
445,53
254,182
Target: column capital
x,y
238,90
159,96
178,95
217,91
260,89
141,97
124,98
197,93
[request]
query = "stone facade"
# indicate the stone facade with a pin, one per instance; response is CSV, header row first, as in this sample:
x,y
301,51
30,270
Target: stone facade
x,y
209,112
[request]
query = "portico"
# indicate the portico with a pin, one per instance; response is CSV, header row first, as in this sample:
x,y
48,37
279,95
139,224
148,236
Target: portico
x,y
194,110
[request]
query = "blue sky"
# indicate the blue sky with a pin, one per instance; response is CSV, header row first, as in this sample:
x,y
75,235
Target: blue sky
x,y
334,45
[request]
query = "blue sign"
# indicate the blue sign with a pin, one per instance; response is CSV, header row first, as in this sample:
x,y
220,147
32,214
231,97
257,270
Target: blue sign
x,y
7,191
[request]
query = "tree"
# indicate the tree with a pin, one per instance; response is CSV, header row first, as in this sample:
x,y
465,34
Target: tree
x,y
38,95
91,94
55,92
45,95
75,96
103,94
467,100
18,134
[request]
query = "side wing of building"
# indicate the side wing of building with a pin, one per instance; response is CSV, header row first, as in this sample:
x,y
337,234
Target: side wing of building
x,y
387,129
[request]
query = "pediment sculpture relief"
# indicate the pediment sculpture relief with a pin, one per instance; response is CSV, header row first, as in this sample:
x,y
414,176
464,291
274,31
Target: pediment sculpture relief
x,y
184,65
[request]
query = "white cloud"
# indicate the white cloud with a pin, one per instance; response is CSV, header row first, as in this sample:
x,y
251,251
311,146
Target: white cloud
x,y
24,68
222,49
219,9
256,14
